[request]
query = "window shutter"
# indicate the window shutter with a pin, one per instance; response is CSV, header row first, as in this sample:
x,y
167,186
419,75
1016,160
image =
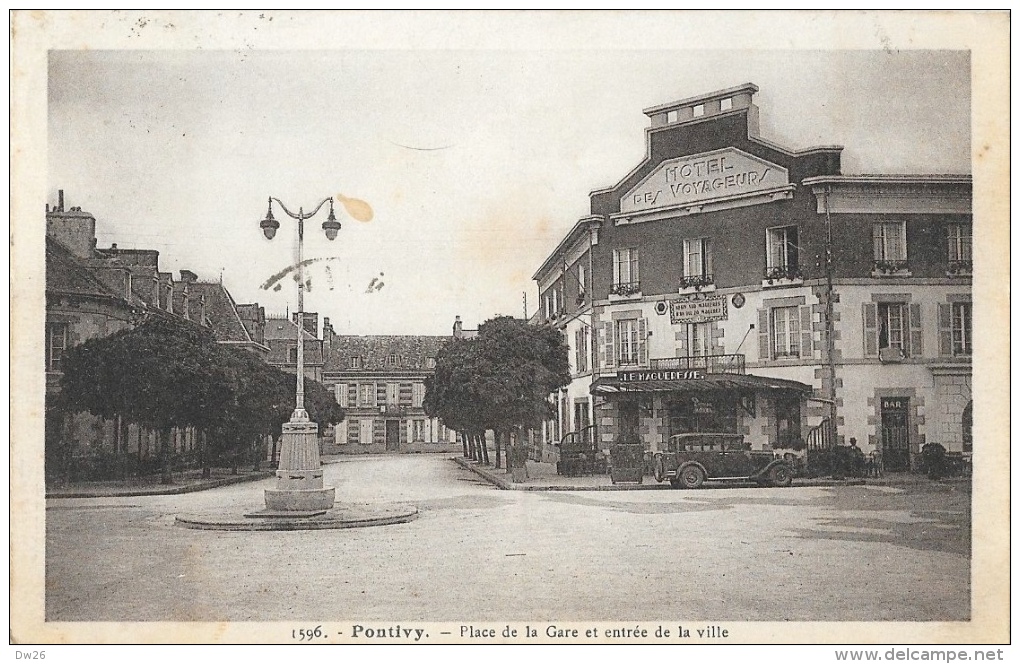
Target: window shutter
x,y
915,331
642,345
606,354
945,330
616,266
805,332
870,315
763,335
706,248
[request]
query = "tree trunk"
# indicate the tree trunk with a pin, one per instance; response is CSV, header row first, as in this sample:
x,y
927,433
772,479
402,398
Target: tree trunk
x,y
166,476
485,448
204,454
257,453
497,435
464,444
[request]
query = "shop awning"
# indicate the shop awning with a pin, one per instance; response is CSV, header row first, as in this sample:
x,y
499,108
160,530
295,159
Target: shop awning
x,y
702,383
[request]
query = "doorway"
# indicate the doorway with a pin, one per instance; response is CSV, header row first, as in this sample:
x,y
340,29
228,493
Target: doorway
x,y
392,435
629,422
895,434
788,421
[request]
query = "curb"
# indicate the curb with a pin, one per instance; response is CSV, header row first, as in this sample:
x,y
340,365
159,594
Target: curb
x,y
506,485
187,488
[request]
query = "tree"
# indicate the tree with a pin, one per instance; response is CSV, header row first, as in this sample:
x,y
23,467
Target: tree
x,y
166,374
527,362
499,380
163,374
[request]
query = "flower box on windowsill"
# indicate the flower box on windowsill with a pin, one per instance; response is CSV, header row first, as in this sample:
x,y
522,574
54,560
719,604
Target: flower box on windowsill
x,y
630,291
890,355
959,269
891,269
779,277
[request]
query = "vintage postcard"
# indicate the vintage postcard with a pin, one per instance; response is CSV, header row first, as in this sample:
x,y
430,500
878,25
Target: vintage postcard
x,y
676,328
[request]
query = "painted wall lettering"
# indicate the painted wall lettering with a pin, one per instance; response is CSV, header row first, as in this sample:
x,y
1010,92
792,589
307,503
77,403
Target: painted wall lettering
x,y
702,177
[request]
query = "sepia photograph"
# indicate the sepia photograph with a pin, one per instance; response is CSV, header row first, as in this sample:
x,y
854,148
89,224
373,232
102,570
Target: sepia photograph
x,y
510,327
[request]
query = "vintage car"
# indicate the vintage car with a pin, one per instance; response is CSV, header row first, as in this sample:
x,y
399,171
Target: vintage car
x,y
692,458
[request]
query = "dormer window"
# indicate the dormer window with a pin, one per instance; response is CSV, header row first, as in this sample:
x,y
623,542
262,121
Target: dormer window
x,y
355,362
393,360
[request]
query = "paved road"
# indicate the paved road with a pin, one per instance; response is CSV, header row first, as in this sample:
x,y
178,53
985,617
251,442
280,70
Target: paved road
x,y
477,553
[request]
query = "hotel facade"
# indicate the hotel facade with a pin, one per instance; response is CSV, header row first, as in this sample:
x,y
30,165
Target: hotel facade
x,y
731,285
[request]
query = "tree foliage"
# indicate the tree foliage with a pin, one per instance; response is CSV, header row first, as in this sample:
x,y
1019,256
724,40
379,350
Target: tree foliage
x,y
500,379
165,374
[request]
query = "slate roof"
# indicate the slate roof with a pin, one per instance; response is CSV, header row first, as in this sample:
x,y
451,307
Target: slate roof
x,y
66,274
412,351
220,311
281,328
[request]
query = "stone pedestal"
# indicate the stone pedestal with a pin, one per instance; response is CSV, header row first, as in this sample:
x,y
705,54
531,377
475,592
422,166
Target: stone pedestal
x,y
299,479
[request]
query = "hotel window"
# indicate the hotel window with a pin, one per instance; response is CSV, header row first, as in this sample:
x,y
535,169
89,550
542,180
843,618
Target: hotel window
x,y
341,394
623,343
56,344
292,355
890,243
632,344
430,363
784,331
392,360
955,325
783,253
355,362
892,325
580,281
392,394
417,394
626,275
697,263
418,430
698,339
959,242
366,395
961,256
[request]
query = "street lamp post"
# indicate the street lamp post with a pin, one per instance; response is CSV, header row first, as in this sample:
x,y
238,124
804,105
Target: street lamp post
x,y
299,487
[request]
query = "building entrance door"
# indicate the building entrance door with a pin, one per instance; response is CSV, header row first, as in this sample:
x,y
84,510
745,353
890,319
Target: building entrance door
x,y
787,421
393,435
629,422
895,434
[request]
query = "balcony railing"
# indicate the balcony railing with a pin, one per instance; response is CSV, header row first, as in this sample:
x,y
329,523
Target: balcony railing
x,y
627,288
782,272
714,364
697,281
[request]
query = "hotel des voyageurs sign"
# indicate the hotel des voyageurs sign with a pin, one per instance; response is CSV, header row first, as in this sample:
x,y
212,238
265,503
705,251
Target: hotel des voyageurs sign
x,y
702,177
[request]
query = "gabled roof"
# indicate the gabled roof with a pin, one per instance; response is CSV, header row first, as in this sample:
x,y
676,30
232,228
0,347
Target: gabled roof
x,y
412,351
66,274
221,312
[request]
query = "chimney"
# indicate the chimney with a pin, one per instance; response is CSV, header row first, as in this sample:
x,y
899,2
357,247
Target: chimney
x,y
74,229
60,200
187,276
458,329
708,105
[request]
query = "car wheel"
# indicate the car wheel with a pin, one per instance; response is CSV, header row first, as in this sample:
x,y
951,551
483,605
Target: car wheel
x,y
659,470
692,477
780,476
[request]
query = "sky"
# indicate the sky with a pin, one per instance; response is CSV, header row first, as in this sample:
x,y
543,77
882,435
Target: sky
x,y
474,162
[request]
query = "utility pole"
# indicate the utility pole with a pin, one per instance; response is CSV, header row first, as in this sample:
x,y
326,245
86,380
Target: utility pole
x,y
830,297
